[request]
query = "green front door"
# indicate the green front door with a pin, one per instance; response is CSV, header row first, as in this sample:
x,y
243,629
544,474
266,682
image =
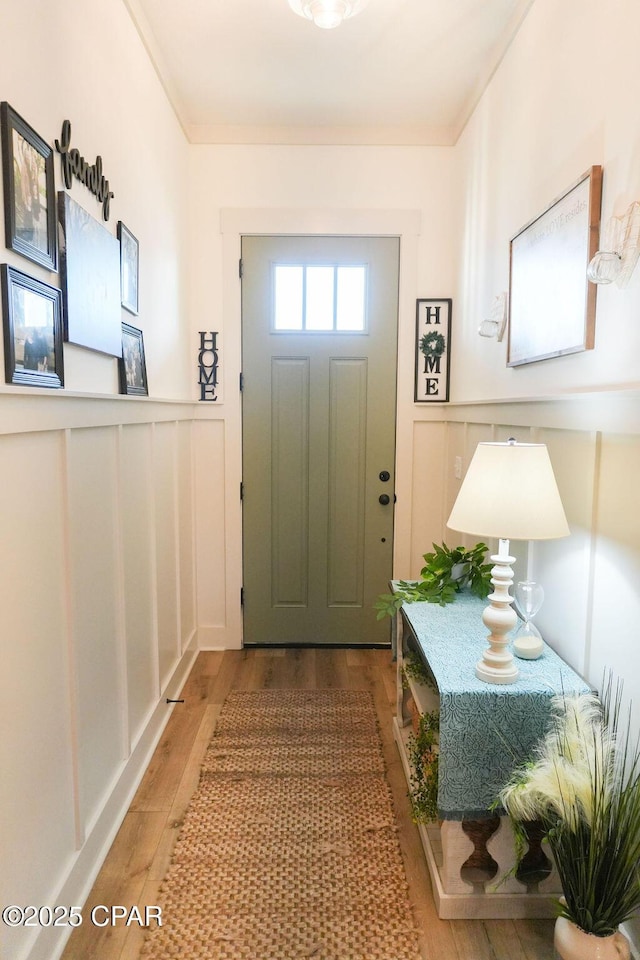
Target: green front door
x,y
319,332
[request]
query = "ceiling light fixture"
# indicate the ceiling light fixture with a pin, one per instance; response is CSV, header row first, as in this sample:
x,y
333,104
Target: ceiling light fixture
x,y
327,13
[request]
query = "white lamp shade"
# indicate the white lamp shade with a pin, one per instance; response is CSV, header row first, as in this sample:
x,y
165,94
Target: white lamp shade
x,y
509,492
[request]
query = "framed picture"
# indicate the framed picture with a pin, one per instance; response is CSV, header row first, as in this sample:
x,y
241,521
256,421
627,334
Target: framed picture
x,y
90,273
129,269
552,305
29,190
32,313
132,366
433,338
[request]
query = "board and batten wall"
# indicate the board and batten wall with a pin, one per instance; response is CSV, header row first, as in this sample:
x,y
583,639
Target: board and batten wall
x,y
563,99
110,506
590,578
99,537
98,589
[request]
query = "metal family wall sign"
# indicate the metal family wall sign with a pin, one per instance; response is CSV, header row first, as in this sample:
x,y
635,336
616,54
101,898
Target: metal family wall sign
x,y
208,365
432,347
75,165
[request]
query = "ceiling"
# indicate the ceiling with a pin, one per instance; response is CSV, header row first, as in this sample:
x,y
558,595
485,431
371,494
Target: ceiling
x,y
252,71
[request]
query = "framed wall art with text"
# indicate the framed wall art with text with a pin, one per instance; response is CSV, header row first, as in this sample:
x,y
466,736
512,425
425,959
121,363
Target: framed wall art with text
x,y
432,348
552,305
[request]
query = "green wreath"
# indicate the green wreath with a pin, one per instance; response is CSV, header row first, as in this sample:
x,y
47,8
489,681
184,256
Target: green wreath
x,y
432,344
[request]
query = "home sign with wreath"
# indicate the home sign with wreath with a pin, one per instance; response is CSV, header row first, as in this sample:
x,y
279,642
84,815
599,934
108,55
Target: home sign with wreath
x,y
433,335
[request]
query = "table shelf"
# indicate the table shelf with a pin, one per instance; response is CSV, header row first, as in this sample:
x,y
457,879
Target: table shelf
x,y
462,851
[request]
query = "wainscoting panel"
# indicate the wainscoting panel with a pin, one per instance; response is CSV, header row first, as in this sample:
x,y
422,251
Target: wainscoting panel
x,y
165,500
138,569
186,544
592,603
38,807
428,490
98,619
213,548
95,613
567,562
616,570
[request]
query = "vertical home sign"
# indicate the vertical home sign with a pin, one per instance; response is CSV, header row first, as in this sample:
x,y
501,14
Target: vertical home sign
x,y
208,365
433,338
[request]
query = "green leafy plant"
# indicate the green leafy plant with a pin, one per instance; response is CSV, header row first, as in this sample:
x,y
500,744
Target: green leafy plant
x,y
423,757
416,669
583,785
445,573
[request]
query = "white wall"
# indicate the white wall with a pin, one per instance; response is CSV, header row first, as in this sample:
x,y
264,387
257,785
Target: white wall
x,y
563,99
559,103
87,64
403,191
97,566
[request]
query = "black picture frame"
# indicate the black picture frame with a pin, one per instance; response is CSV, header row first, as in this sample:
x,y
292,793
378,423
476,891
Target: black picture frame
x,y
432,350
32,314
132,367
29,190
129,268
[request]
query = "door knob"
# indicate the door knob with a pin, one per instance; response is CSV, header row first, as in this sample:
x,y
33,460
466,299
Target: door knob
x,y
384,475
384,499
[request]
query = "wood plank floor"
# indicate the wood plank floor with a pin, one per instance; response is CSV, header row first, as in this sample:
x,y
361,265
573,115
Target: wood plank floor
x,y
135,866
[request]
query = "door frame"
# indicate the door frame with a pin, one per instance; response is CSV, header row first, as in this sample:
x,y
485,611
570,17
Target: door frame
x,y
234,224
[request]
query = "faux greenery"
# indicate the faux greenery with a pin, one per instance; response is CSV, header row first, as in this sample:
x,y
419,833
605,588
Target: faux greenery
x,y
415,668
423,756
583,785
432,344
437,583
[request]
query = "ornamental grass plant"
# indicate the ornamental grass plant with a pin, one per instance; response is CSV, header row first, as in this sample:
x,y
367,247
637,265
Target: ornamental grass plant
x,y
583,785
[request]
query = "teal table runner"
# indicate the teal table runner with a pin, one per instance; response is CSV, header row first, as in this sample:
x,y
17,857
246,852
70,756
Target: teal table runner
x,y
486,729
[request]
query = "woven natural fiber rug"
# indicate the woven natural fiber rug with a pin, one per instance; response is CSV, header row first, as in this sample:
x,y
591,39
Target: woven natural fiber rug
x,y
289,848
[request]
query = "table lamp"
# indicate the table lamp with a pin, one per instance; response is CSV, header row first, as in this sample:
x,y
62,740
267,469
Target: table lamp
x,y
509,492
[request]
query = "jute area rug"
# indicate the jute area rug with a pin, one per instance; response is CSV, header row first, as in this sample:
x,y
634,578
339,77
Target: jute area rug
x,y
289,848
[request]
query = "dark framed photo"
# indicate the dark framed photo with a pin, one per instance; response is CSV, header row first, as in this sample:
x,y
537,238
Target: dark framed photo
x,y
129,268
29,190
32,313
132,366
90,277
433,356
552,305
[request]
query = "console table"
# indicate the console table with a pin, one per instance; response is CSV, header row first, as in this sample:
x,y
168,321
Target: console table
x,y
485,731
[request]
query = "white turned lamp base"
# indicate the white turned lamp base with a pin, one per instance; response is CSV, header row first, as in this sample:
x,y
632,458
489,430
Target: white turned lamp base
x,y
497,664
